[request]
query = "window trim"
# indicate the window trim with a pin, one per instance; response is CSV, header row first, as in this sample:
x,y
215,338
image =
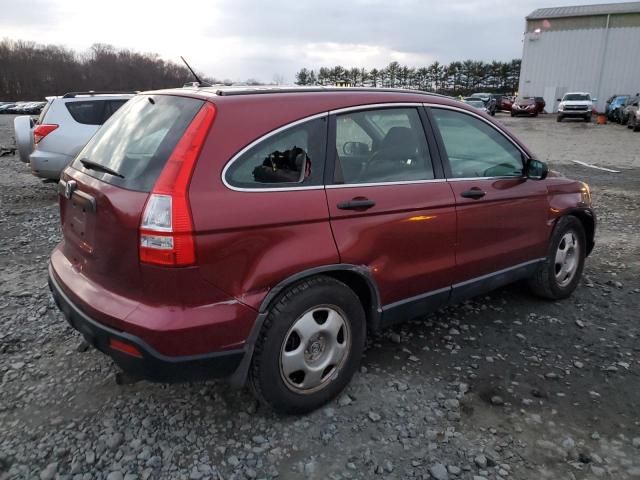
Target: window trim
x,y
443,152
268,135
434,153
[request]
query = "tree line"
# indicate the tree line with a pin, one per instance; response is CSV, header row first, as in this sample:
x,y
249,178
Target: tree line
x,y
31,71
456,78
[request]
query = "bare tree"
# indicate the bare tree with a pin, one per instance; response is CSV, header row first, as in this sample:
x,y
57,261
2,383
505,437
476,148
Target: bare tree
x,y
30,71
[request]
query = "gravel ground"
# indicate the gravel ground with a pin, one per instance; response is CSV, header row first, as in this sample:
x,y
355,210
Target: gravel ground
x,y
501,387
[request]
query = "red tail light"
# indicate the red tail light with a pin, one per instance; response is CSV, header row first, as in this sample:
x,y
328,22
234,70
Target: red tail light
x,y
166,231
42,131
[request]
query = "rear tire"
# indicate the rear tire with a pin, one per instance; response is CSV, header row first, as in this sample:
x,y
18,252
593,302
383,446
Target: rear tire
x,y
560,273
310,346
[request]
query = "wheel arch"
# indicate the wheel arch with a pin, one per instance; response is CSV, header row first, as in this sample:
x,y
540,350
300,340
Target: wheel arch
x,y
588,220
356,277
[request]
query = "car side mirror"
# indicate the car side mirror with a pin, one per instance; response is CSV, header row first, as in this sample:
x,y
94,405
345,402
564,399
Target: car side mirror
x,y
558,99
536,170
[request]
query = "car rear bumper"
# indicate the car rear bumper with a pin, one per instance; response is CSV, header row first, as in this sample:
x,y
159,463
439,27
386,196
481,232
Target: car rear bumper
x,y
48,164
143,361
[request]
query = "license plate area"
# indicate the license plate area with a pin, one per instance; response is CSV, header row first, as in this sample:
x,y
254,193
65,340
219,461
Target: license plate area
x,y
80,220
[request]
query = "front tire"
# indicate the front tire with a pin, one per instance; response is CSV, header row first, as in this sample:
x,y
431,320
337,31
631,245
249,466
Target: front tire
x,y
560,273
559,118
587,118
310,346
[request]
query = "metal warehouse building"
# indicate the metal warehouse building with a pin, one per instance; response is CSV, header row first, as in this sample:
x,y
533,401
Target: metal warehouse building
x,y
590,48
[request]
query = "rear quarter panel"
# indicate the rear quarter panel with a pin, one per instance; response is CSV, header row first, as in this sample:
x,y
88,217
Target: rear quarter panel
x,y
247,242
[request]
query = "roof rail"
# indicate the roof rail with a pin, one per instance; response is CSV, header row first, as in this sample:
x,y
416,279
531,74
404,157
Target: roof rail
x,y
268,90
98,92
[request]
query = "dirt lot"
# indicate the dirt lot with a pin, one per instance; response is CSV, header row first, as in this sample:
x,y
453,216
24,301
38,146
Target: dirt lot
x,y
505,386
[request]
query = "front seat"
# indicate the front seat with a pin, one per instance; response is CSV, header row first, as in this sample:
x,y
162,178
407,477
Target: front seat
x,y
398,151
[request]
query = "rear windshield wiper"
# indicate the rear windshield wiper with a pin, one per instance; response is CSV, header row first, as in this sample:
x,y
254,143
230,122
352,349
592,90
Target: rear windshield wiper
x,y
101,168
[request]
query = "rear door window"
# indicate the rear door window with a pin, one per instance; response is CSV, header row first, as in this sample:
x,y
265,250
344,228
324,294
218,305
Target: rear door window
x,y
380,146
138,140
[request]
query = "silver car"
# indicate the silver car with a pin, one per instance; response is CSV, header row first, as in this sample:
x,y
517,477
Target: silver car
x,y
64,127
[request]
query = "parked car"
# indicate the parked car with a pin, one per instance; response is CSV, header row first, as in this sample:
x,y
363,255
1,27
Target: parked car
x,y
198,244
488,100
624,109
31,108
540,104
612,106
505,103
524,106
65,126
633,115
576,105
476,103
6,107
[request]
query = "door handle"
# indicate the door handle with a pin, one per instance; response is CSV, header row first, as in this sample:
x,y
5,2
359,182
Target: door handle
x,y
474,193
357,204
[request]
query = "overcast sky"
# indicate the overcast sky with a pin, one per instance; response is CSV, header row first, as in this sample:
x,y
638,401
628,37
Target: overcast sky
x,y
241,39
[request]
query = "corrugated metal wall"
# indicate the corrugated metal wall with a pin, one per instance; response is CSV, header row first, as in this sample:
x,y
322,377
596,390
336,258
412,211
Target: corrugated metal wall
x,y
572,60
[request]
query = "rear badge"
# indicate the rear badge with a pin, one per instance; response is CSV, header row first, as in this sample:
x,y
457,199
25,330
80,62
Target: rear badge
x,y
69,187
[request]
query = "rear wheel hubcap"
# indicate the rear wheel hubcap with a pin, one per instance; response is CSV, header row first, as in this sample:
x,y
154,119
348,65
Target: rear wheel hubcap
x,y
314,349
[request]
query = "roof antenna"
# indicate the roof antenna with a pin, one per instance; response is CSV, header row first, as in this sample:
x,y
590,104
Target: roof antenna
x,y
200,82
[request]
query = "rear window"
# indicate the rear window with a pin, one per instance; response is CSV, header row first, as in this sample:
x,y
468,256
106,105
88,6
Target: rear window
x,y
137,141
93,112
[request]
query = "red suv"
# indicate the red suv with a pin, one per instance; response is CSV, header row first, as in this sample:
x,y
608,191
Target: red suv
x,y
260,234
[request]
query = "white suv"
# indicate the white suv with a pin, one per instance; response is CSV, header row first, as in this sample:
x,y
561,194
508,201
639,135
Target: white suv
x,y
576,105
64,127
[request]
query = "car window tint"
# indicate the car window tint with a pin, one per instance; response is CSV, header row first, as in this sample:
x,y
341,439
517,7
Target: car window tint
x,y
88,113
393,149
111,107
138,140
293,157
474,148
350,131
